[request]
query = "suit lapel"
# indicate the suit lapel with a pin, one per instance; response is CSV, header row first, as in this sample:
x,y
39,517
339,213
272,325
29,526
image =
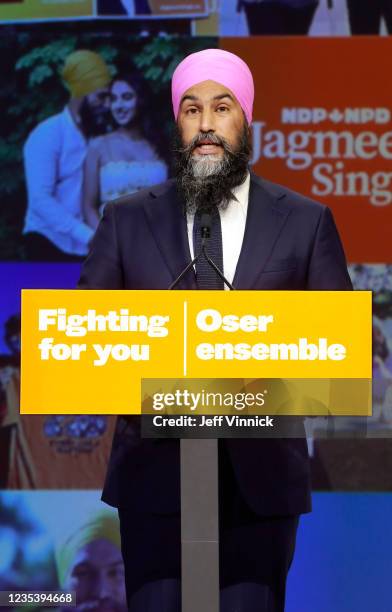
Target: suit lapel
x,y
169,227
265,219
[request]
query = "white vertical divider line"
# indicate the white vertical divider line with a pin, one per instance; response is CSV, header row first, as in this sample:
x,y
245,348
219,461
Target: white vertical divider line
x,y
185,336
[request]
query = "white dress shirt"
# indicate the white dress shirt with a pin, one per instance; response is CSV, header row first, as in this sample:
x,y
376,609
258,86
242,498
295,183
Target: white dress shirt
x,y
233,220
54,155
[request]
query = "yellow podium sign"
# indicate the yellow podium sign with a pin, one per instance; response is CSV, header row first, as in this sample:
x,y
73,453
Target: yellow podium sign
x,y
89,351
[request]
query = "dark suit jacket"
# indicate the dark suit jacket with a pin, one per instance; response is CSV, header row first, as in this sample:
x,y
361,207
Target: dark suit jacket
x,y
290,242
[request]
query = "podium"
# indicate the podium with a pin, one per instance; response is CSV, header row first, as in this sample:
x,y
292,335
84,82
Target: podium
x,y
151,349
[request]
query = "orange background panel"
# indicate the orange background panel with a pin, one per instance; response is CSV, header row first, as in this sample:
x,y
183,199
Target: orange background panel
x,y
331,74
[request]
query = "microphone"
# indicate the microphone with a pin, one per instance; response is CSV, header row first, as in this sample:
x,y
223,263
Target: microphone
x,y
205,228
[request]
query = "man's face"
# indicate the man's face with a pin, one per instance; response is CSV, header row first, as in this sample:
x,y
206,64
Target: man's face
x,y
209,108
97,577
212,147
95,113
99,101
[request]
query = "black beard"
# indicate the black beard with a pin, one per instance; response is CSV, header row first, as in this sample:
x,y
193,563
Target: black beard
x,y
93,123
206,193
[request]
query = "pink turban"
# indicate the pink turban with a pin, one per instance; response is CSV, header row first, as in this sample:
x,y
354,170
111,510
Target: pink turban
x,y
214,65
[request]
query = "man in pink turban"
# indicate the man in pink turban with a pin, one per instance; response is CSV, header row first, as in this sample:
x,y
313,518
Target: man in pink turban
x,y
212,95
261,236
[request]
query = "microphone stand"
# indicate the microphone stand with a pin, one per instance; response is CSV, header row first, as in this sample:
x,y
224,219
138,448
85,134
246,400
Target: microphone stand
x,y
185,270
205,234
215,267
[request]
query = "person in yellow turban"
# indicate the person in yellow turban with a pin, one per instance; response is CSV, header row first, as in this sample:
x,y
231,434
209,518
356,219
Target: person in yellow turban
x,y
85,72
54,155
89,563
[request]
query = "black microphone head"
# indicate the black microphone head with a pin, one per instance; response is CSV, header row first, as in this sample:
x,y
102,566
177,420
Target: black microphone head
x,y
205,225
